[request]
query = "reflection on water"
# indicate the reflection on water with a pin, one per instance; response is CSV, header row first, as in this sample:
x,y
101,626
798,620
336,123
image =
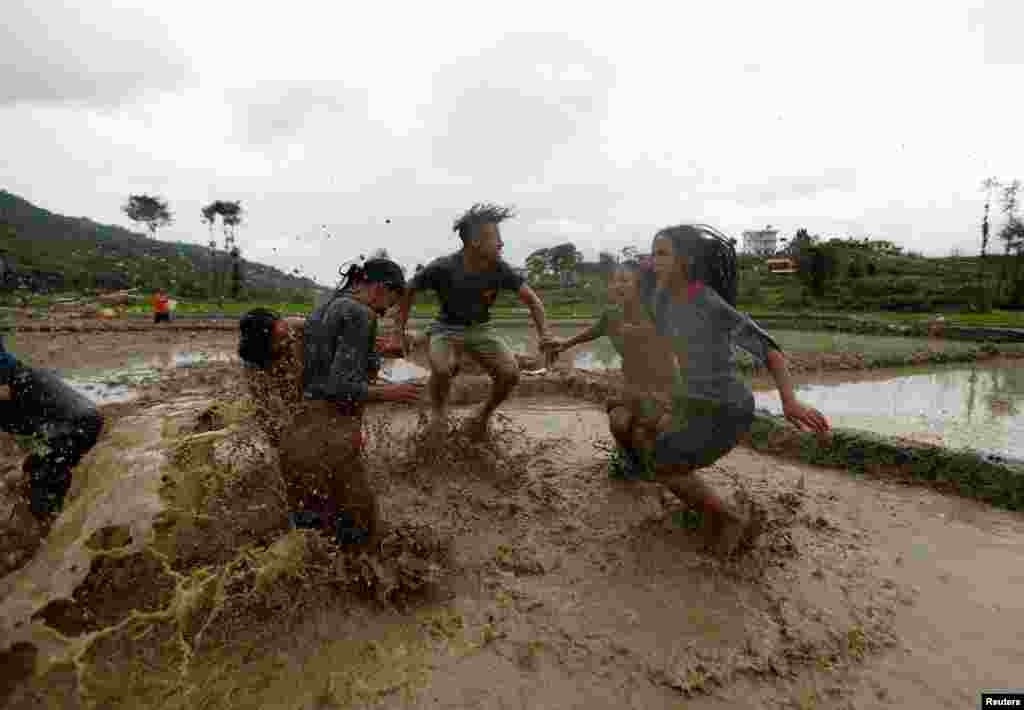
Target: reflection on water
x,y
979,407
108,386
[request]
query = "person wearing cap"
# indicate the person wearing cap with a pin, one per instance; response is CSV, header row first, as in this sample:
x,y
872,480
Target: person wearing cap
x,y
37,403
467,283
321,451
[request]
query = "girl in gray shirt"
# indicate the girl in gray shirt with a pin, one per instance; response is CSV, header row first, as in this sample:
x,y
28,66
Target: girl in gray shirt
x,y
711,408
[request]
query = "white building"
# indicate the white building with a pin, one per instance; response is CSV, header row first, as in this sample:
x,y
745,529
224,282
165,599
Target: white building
x,y
762,242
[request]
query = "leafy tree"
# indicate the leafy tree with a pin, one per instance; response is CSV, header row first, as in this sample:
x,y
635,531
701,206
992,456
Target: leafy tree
x,y
564,258
230,214
537,264
148,210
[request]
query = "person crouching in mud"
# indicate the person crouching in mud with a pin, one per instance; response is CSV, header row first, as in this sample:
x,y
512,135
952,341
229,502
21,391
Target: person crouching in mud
x,y
37,403
711,408
645,370
271,352
327,484
467,283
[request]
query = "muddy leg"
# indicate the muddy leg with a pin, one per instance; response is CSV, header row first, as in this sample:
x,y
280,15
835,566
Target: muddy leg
x,y
444,354
725,527
491,352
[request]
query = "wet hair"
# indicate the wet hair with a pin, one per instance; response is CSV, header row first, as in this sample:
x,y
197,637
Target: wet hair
x,y
711,256
468,225
374,271
255,346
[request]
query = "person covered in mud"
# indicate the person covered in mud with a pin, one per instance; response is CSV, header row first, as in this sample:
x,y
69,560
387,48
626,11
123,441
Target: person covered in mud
x,y
65,425
645,371
710,409
467,283
271,352
326,481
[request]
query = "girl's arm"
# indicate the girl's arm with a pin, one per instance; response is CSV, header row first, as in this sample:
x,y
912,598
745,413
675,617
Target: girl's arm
x,y
804,417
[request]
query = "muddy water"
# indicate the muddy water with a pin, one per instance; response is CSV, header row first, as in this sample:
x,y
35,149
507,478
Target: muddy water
x,y
979,406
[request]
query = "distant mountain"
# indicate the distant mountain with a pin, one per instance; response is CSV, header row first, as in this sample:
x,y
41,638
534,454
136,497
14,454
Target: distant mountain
x,y
49,252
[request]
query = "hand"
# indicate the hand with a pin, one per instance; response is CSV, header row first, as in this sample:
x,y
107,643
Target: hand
x,y
409,392
5,392
554,345
547,342
805,418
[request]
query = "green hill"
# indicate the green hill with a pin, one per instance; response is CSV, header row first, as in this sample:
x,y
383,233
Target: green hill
x,y
52,252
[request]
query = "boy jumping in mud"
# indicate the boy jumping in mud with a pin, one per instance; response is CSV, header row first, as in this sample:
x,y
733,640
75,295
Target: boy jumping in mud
x,y
321,451
37,403
467,283
712,408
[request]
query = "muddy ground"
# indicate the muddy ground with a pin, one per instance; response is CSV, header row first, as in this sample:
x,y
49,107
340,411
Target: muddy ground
x,y
562,587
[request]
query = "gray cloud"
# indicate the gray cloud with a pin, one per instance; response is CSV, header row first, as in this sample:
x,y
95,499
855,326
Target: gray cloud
x,y
789,188
505,111
273,111
102,57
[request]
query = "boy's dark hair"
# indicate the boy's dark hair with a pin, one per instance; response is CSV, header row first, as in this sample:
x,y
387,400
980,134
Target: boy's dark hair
x,y
254,346
468,225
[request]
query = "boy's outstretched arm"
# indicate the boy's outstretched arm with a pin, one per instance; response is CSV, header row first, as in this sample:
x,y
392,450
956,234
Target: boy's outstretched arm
x,y
532,301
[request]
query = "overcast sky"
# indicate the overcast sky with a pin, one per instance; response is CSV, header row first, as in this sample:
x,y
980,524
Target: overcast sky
x,y
874,118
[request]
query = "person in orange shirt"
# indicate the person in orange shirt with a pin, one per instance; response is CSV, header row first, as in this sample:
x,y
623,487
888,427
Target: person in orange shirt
x,y
161,307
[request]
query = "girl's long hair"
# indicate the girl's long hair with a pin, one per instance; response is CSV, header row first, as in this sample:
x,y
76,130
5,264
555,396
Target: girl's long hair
x,y
711,256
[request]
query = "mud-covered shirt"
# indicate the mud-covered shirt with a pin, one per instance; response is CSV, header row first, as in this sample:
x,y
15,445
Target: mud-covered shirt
x,y
339,341
39,399
466,297
702,334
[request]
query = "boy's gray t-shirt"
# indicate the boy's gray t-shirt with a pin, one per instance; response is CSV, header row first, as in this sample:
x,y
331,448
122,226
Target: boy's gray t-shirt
x,y
466,298
703,332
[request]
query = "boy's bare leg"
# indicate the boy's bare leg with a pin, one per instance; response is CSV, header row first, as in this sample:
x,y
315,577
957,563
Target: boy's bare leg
x,y
500,364
443,357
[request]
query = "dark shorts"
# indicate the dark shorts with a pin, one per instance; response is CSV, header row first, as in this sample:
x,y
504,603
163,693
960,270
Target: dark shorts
x,y
702,433
161,317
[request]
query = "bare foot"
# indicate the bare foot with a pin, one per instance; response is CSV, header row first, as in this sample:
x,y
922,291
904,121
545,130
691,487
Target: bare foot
x,y
726,530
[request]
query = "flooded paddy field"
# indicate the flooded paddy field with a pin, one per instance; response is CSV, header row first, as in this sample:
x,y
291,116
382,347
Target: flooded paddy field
x,y
513,574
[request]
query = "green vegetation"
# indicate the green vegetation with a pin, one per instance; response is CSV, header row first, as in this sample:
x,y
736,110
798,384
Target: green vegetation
x,y
962,472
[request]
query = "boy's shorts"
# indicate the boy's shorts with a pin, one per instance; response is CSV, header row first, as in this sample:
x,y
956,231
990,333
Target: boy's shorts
x,y
480,341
